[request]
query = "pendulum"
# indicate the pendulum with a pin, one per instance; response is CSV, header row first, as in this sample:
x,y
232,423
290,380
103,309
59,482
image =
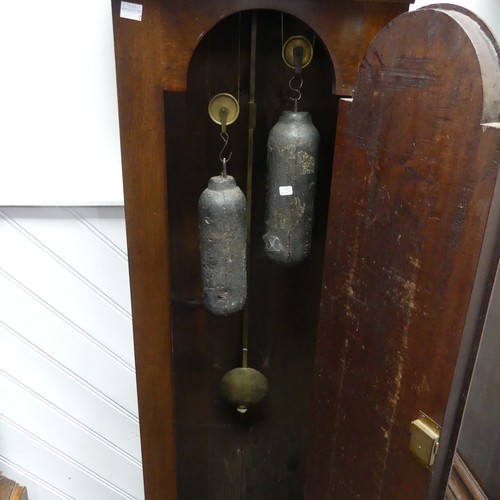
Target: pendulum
x,y
245,387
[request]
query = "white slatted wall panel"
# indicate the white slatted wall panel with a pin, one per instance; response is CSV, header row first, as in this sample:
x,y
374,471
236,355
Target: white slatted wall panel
x,y
68,408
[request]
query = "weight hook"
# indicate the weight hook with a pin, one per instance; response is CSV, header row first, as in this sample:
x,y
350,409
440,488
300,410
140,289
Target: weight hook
x,y
225,137
296,89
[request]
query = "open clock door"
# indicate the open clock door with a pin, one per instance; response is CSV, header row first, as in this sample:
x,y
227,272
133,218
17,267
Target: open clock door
x,y
412,249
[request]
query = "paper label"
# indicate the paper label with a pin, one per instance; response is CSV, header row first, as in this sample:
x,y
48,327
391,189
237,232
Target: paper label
x,y
286,190
130,10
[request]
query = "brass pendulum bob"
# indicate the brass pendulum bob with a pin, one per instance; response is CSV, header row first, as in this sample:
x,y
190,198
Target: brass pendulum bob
x,y
244,387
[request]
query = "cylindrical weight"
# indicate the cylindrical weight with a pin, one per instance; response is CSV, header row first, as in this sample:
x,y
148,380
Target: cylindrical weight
x,y
222,223
292,157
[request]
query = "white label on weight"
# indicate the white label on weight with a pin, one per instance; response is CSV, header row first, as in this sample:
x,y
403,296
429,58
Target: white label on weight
x,y
286,190
130,10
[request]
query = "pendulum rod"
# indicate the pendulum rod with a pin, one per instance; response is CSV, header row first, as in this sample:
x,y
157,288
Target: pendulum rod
x,y
244,387
252,116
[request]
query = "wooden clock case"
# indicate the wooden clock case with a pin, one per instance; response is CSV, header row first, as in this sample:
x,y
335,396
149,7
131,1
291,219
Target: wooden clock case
x,y
168,66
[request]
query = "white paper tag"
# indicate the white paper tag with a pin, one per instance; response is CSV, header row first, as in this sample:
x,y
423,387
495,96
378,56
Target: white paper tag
x,y
286,190
130,10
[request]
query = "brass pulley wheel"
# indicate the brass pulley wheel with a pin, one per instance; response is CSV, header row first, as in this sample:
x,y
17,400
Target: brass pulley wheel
x,y
223,103
297,41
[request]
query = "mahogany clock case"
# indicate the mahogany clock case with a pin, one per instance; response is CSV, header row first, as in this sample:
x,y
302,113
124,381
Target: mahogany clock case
x,y
169,66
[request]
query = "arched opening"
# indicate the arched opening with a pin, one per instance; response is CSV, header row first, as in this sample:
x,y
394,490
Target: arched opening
x,y
221,454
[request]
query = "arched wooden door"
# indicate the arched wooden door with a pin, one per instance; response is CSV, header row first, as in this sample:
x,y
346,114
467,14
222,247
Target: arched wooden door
x,y
412,250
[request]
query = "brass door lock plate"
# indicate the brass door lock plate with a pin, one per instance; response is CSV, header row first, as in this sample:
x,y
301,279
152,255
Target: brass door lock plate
x,y
424,440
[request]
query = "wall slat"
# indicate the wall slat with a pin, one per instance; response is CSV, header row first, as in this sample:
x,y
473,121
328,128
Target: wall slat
x,y
69,424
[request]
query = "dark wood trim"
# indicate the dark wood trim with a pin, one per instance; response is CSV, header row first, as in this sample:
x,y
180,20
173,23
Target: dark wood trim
x,y
387,1
462,484
345,28
139,60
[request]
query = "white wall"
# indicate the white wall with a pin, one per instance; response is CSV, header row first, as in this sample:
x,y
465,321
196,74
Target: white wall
x,y
68,408
59,132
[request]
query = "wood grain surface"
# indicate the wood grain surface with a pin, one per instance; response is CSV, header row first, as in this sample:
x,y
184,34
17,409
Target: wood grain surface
x,y
408,269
